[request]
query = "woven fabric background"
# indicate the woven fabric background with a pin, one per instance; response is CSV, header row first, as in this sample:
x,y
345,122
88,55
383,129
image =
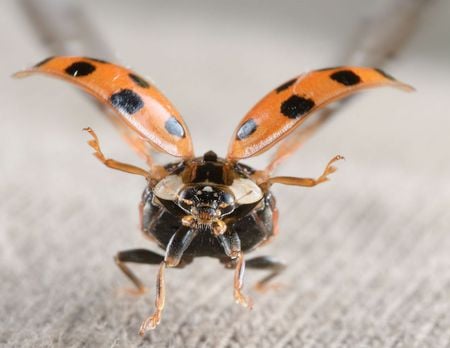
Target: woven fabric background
x,y
368,252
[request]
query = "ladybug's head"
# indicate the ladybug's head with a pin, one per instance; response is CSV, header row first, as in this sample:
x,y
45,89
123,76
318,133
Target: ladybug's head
x,y
206,202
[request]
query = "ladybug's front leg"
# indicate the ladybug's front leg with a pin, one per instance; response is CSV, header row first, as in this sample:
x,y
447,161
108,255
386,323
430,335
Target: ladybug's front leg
x,y
239,283
178,244
231,244
128,168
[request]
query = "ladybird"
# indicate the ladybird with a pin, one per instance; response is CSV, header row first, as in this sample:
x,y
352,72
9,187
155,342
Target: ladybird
x,y
208,205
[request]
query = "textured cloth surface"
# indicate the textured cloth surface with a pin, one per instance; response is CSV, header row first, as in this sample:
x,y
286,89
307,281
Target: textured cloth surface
x,y
368,252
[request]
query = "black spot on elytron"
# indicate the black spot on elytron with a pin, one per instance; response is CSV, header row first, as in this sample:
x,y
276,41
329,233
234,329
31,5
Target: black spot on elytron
x,y
385,74
346,77
296,106
97,60
42,62
126,101
247,129
285,85
78,69
331,68
139,80
174,127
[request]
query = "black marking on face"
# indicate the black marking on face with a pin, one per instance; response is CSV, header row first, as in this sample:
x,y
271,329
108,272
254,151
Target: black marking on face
x,y
126,101
79,69
97,60
247,129
296,106
42,62
346,77
385,74
174,127
285,85
139,80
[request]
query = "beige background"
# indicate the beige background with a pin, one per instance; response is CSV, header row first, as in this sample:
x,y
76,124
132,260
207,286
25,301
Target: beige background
x,y
368,252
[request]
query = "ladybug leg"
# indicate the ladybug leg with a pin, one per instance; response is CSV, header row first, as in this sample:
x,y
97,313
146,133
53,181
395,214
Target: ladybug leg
x,y
307,182
141,147
231,244
151,322
239,282
266,263
136,256
128,168
178,244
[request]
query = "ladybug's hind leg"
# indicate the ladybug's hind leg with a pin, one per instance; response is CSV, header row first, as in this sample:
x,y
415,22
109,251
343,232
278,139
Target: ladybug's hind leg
x,y
136,256
266,263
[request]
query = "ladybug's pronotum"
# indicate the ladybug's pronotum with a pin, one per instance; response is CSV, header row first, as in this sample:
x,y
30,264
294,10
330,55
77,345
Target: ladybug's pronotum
x,y
207,205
